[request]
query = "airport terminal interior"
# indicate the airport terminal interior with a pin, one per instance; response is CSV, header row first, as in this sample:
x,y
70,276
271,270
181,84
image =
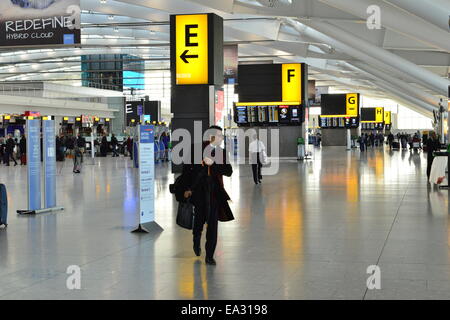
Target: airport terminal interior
x,y
334,121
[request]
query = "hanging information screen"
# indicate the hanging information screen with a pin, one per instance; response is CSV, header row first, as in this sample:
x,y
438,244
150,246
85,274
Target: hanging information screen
x,y
372,115
146,174
340,105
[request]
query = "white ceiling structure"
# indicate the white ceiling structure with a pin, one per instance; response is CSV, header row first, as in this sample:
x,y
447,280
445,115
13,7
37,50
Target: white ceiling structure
x,y
407,59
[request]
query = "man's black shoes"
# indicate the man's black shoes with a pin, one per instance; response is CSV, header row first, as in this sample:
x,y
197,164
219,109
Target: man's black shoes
x,y
210,261
197,251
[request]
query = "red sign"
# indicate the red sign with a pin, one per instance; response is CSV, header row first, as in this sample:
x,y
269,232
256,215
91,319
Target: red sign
x,y
219,106
32,114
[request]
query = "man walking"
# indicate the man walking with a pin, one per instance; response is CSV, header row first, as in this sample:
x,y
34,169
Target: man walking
x,y
23,150
10,144
202,183
114,144
80,144
256,150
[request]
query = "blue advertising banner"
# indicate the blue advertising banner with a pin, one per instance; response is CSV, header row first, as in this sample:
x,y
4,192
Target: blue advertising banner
x,y
34,164
146,174
49,153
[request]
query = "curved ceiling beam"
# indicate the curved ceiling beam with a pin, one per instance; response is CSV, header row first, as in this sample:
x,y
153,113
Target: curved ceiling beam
x,y
427,10
379,75
378,56
398,20
388,93
124,9
357,54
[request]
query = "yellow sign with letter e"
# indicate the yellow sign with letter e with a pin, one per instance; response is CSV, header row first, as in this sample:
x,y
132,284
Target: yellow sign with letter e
x,y
191,49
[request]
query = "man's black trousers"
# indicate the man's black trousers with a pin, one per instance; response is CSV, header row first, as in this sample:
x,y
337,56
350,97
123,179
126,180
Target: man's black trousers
x,y
211,231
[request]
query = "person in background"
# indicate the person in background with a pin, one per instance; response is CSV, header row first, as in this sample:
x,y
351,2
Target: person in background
x,y
114,144
59,153
70,144
390,140
203,184
130,147
166,140
10,144
256,150
318,139
81,144
362,142
97,147
2,150
433,145
104,146
77,160
23,150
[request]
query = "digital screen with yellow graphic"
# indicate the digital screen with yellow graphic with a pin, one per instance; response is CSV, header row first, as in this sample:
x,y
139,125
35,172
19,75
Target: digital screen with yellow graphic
x,y
372,115
340,105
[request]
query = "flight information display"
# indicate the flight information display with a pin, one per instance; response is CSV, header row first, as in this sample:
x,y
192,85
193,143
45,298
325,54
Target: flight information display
x,y
372,126
351,123
241,115
295,114
273,114
252,114
268,115
338,122
262,114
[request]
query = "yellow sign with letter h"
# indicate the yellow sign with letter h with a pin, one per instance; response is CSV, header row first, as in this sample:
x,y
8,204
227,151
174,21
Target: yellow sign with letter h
x,y
379,115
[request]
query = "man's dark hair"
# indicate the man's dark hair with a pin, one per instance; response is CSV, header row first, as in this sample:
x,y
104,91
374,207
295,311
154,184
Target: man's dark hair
x,y
215,127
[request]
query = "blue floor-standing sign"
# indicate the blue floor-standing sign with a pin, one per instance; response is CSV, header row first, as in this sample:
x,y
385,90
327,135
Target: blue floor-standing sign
x,y
146,156
49,153
34,164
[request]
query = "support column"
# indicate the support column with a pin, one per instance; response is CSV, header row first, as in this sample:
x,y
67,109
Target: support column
x,y
349,140
196,44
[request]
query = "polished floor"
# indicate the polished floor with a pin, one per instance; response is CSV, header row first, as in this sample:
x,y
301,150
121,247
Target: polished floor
x,y
309,232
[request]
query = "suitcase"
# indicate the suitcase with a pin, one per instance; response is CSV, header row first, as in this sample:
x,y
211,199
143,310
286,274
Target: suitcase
x,y
395,145
23,159
3,206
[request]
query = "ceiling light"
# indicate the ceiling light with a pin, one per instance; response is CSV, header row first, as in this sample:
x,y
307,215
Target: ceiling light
x,y
102,1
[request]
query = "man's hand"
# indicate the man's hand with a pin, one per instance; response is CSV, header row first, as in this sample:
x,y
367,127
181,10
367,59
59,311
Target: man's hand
x,y
187,194
208,161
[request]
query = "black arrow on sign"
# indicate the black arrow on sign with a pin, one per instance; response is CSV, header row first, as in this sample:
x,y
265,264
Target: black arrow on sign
x,y
184,56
